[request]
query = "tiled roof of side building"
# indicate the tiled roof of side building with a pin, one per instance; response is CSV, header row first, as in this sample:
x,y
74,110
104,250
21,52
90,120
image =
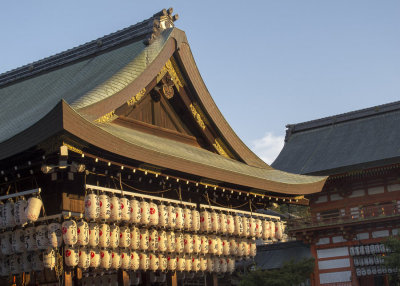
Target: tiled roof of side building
x,y
355,140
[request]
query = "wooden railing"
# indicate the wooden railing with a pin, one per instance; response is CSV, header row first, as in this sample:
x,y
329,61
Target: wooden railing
x,y
363,214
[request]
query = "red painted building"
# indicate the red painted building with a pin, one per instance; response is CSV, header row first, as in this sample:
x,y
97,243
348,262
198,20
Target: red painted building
x,y
359,205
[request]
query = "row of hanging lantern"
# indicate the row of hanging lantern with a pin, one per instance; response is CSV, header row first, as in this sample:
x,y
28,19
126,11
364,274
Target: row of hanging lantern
x,y
27,261
368,260
19,212
375,270
368,249
150,214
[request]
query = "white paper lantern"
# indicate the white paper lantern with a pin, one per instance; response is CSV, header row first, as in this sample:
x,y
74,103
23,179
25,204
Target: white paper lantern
x,y
144,239
179,242
220,248
135,278
195,220
83,233
54,234
171,216
3,223
205,221
171,245
210,263
135,238
196,243
163,262
153,240
225,247
42,234
9,213
84,257
6,247
154,262
15,262
33,208
180,223
5,266
217,265
223,265
115,206
241,251
172,263
223,225
233,247
212,244
238,225
230,224
188,263
124,237
69,230
125,209
266,229
163,215
196,263
105,207
27,261
154,215
188,243
246,227
253,227
136,214
272,229
18,241
19,212
187,218
204,244
203,263
162,241
145,213
114,236
144,262
180,263
125,259
94,257
30,240
279,230
231,264
105,258
71,256
246,247
253,248
215,222
135,260
259,228
104,235
92,206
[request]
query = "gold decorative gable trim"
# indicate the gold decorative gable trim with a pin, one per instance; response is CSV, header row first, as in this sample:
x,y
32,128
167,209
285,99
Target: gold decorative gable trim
x,y
218,146
107,117
136,97
172,68
197,116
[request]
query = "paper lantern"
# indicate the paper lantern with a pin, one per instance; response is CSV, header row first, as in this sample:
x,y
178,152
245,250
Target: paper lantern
x,y
124,237
42,240
212,244
84,257
15,263
54,234
223,226
162,278
230,224
196,263
241,251
195,220
92,206
71,256
253,227
204,244
205,221
217,265
219,245
180,263
210,263
136,214
115,206
69,231
3,223
144,239
125,205
153,240
94,234
154,262
196,243
163,215
187,218
19,212
172,263
162,241
145,213
238,225
171,245
26,261
203,263
125,259
94,257
223,265
83,233
253,248
233,247
104,235
179,218
259,228
266,230
135,238
225,247
5,266
188,263
278,231
231,264
114,236
32,210
215,222
135,261
18,241
9,213
135,278
105,207
6,247
246,227
179,242
188,243
30,240
163,262
247,247
272,229
154,215
105,258
171,216
144,262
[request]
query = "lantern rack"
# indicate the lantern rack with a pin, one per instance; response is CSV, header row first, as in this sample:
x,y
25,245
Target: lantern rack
x,y
60,215
109,190
241,212
20,194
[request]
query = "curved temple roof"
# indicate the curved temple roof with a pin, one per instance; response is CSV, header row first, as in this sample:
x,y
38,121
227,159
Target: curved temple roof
x,y
68,91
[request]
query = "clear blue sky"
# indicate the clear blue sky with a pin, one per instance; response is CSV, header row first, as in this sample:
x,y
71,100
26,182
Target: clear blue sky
x,y
266,63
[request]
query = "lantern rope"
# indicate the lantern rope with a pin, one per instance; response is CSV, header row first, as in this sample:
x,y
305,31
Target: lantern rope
x,y
224,206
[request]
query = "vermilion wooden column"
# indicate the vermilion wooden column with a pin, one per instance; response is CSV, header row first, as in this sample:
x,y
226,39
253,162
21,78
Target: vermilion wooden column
x,y
172,279
123,278
68,278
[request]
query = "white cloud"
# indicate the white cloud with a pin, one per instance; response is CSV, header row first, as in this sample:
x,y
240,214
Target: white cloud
x,y
268,147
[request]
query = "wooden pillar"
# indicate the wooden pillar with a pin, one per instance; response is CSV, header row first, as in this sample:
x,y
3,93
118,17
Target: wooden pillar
x,y
26,277
68,278
172,279
212,279
78,277
123,278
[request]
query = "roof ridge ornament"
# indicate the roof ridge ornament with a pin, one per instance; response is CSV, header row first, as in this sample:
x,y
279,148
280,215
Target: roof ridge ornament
x,y
161,21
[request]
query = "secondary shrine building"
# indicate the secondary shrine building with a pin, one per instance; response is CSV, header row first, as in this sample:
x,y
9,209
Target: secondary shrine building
x,y
117,168
359,205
